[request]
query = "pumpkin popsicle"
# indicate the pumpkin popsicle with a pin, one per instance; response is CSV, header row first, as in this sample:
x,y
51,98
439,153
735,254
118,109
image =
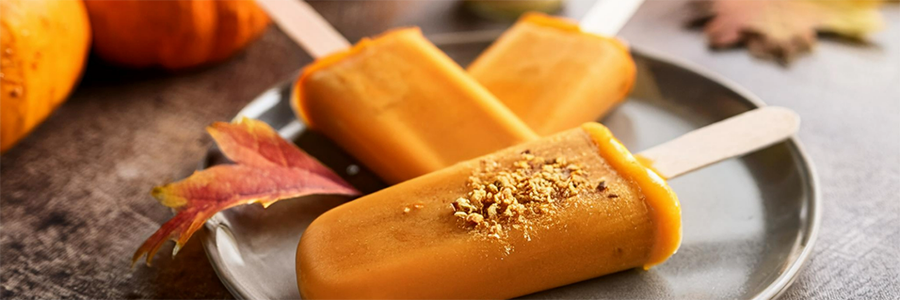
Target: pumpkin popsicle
x,y
402,107
553,75
542,214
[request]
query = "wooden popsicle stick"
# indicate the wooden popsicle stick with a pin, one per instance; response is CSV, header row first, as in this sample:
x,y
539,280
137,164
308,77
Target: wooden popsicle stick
x,y
732,137
607,17
305,26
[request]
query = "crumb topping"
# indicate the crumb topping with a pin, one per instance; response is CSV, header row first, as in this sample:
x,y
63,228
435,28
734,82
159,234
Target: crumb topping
x,y
517,196
409,208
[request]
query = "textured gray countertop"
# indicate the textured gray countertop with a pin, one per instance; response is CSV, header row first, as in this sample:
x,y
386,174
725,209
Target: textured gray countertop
x,y
75,201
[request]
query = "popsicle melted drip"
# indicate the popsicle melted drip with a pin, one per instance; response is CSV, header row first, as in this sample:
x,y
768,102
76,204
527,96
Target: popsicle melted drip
x,y
520,196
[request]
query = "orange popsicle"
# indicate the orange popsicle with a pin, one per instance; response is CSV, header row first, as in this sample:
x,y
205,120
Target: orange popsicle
x,y
402,107
553,75
542,214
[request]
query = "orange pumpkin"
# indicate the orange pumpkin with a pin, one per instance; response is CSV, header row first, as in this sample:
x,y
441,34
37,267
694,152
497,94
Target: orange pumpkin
x,y
173,34
44,47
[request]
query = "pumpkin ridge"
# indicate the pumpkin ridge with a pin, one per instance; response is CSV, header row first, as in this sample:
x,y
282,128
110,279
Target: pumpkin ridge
x,y
174,34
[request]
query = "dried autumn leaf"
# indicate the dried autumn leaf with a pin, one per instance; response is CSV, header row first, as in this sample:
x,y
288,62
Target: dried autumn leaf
x,y
253,143
268,168
781,29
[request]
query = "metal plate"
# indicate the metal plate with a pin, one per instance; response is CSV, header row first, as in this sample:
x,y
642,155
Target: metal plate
x,y
749,223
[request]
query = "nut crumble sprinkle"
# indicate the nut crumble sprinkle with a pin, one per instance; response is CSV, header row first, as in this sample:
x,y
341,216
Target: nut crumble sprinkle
x,y
515,197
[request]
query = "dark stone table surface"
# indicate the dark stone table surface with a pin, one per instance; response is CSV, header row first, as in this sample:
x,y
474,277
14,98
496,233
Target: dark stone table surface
x,y
75,194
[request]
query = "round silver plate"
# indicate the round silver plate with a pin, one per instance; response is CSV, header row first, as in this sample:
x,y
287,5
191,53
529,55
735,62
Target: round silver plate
x,y
749,223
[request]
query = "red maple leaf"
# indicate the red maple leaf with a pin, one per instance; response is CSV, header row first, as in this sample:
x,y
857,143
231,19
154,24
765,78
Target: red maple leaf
x,y
267,169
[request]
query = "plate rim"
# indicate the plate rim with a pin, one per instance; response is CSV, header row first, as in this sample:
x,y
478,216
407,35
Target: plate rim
x,y
777,287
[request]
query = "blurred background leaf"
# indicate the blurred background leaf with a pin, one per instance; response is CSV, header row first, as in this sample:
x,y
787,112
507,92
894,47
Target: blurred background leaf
x,y
782,29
